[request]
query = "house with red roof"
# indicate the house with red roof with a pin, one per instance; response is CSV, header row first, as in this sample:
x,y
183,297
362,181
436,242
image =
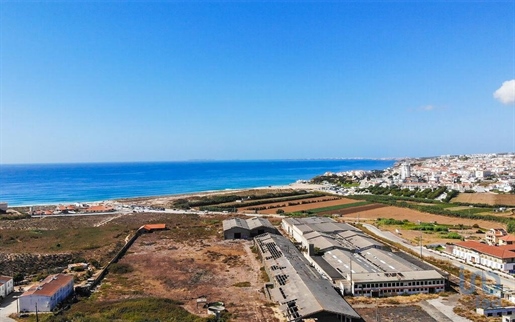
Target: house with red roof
x,y
496,257
99,209
492,236
45,296
506,240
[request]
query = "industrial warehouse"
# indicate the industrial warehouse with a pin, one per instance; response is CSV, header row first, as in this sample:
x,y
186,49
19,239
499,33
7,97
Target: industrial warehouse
x,y
237,228
358,264
301,292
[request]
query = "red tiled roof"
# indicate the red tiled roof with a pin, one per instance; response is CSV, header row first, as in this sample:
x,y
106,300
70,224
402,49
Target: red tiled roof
x,y
508,238
99,208
504,251
154,226
50,285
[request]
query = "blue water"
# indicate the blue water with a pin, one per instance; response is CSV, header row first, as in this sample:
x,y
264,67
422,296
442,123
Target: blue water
x,y
38,184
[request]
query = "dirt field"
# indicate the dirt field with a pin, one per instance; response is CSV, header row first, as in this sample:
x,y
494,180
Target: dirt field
x,y
414,215
486,198
314,205
168,268
396,314
353,210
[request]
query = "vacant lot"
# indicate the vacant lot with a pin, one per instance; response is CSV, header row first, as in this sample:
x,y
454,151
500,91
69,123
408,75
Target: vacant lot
x,y
165,266
307,206
486,198
395,314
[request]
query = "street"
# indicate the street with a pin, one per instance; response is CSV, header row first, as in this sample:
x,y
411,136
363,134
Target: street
x,y
508,282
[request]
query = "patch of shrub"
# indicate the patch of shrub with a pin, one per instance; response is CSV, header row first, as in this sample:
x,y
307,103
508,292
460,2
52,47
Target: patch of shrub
x,y
120,268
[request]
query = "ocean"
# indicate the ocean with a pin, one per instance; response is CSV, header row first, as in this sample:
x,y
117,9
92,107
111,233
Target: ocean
x,y
39,184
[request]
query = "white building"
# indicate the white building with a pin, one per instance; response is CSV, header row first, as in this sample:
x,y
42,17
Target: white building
x,y
496,257
6,286
357,264
405,171
47,295
3,206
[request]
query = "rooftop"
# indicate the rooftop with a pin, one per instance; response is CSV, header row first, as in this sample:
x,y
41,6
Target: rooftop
x,y
503,252
302,291
50,285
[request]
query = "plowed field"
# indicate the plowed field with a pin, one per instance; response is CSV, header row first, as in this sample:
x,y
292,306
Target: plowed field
x,y
313,205
486,198
414,215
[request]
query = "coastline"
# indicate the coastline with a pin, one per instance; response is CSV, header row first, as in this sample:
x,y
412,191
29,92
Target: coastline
x,y
26,186
158,199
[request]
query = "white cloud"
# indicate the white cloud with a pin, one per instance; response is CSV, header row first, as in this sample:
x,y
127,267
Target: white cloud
x,y
427,108
506,93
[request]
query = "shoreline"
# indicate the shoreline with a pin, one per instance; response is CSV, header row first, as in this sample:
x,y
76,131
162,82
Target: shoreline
x,y
168,198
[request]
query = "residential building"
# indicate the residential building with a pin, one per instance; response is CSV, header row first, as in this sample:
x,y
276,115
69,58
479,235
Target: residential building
x,y
496,257
46,295
6,286
506,240
3,206
492,236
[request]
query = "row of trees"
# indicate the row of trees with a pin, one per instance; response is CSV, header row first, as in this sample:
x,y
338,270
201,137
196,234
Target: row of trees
x,y
397,191
219,199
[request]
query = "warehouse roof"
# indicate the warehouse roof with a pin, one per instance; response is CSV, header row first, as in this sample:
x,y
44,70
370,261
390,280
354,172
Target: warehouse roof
x,y
301,290
249,224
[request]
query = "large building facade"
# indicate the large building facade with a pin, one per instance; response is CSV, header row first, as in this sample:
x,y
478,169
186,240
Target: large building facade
x,y
45,296
237,228
356,263
302,293
495,257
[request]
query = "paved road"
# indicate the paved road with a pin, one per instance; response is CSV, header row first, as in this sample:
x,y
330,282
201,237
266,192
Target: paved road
x,y
9,306
507,282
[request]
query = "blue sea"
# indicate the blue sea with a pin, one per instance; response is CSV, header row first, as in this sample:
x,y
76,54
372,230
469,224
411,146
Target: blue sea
x,y
39,184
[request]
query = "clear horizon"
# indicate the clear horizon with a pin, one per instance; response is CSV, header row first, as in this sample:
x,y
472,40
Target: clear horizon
x,y
156,82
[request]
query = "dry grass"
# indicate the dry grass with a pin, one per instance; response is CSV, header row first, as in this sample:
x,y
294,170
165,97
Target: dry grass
x,y
391,300
164,266
486,198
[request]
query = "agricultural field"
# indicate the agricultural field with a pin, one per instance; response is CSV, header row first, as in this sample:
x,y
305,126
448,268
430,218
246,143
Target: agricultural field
x,y
398,213
486,198
316,204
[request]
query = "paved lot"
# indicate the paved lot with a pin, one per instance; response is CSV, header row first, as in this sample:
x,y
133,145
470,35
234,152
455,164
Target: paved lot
x,y
9,306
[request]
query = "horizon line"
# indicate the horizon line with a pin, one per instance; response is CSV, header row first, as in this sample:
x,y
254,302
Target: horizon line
x,y
212,160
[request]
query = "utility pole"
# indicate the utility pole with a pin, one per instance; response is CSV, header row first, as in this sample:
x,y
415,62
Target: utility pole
x,y
37,317
421,244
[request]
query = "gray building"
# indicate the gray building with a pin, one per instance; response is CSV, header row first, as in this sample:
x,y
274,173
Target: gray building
x,y
300,290
237,228
358,264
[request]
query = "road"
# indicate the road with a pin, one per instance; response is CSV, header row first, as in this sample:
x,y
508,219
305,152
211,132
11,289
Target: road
x,y
9,306
508,282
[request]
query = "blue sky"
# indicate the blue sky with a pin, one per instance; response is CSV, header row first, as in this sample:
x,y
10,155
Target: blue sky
x,y
93,82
